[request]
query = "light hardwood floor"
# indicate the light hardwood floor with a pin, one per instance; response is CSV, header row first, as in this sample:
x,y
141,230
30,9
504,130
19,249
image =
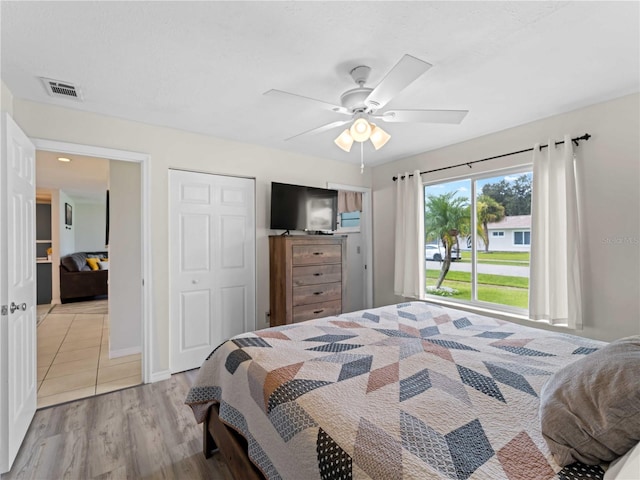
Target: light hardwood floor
x,y
73,358
144,432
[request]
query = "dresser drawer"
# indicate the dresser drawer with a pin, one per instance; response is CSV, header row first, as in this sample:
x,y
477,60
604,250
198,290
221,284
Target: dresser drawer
x,y
318,310
317,293
316,254
315,274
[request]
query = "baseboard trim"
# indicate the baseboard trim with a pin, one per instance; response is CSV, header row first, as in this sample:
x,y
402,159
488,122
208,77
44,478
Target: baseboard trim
x,y
123,352
159,376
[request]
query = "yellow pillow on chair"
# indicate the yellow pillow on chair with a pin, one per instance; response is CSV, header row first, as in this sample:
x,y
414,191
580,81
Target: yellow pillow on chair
x,y
93,263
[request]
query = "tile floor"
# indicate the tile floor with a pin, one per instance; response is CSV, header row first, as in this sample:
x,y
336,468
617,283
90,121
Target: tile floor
x,y
73,359
42,312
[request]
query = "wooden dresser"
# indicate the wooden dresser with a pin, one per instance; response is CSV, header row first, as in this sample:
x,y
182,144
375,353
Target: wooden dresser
x,y
308,277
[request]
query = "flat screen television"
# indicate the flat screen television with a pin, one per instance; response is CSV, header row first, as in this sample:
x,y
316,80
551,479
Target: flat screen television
x,y
296,207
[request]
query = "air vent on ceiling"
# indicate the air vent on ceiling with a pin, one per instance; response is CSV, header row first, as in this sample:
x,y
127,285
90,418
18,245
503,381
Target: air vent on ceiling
x,y
57,88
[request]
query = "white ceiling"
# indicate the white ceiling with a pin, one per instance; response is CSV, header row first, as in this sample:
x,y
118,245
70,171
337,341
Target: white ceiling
x,y
203,66
85,179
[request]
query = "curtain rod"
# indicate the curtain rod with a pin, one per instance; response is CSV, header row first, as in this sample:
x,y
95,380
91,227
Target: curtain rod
x,y
586,136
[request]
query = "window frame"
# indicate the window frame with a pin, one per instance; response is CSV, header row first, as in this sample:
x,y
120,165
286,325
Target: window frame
x,y
474,302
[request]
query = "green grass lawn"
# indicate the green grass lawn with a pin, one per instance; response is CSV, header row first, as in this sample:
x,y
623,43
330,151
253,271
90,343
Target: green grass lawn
x,y
498,258
483,278
500,289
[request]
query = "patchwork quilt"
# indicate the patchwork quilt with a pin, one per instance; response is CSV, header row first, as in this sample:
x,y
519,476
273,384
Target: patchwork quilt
x,y
407,391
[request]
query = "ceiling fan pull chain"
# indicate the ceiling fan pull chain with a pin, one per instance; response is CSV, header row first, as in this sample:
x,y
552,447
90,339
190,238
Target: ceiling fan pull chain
x,y
361,158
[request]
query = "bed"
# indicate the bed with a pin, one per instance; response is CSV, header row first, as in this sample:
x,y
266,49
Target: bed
x,y
411,391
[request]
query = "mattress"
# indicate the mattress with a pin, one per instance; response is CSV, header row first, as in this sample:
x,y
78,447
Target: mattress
x,y
406,391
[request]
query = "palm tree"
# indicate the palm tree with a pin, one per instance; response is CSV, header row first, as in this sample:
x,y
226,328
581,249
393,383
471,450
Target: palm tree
x,y
489,211
445,218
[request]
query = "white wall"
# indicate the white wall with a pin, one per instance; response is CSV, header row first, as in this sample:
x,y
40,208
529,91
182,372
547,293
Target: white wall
x,y
67,240
178,149
89,226
55,245
125,259
609,175
6,99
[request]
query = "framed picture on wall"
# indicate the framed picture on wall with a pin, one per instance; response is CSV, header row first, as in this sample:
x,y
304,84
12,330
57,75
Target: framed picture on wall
x,y
68,214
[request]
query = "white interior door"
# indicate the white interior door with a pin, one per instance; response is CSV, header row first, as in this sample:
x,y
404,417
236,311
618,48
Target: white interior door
x,y
18,396
212,263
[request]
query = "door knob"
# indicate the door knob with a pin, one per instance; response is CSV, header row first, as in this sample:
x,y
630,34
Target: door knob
x,y
13,307
195,281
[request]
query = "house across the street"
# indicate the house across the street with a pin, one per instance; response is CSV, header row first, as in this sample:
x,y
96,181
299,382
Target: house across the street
x,y
511,234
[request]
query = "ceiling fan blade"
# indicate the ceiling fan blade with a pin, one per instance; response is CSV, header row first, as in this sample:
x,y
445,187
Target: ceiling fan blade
x,y
321,129
300,98
405,72
423,116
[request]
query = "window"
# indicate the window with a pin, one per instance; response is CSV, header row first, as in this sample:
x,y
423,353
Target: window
x,y
468,226
349,208
447,225
522,238
349,222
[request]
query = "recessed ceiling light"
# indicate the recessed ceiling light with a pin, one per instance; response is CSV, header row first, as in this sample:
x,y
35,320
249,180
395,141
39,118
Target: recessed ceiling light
x,y
64,159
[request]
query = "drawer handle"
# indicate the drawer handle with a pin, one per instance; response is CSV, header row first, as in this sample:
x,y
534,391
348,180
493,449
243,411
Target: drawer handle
x,y
317,253
318,293
317,274
318,311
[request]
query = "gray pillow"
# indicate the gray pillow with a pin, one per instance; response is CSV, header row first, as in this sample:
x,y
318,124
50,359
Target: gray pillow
x,y
590,409
74,262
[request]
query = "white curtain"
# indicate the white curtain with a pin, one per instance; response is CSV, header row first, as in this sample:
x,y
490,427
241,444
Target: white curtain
x,y
555,293
409,251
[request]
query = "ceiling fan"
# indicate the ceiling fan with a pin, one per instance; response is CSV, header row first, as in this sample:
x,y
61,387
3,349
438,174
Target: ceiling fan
x,y
363,104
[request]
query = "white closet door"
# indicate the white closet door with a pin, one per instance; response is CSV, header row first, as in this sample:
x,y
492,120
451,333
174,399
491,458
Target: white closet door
x,y
212,263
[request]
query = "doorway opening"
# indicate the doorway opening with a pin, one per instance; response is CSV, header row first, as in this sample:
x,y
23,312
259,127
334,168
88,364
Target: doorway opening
x,y
356,225
81,351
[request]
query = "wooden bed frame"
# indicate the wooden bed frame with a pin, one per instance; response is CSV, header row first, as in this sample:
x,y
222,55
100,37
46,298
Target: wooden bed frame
x,y
218,437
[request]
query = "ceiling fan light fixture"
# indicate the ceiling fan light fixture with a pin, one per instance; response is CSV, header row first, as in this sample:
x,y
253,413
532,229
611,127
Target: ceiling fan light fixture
x,y
378,137
344,140
360,130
